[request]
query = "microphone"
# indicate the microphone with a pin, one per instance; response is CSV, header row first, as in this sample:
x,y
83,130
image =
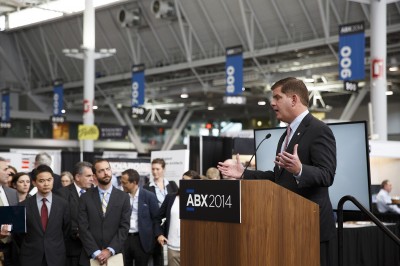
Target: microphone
x,y
266,137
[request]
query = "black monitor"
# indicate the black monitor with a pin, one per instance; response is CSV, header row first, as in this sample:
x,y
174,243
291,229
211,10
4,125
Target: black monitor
x,y
352,172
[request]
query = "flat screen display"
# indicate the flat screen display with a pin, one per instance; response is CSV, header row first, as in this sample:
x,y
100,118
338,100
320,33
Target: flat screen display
x,y
352,172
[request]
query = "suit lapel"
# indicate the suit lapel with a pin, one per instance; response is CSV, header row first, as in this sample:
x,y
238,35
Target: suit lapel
x,y
298,134
35,211
97,201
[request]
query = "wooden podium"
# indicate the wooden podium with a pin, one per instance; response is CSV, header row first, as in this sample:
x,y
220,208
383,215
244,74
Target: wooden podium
x,y
278,228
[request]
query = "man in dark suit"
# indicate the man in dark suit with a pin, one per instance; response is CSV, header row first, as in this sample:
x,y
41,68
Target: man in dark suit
x,y
83,180
8,197
305,158
47,223
144,210
104,215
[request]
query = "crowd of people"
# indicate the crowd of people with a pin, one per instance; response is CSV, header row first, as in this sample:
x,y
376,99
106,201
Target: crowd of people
x,y
80,216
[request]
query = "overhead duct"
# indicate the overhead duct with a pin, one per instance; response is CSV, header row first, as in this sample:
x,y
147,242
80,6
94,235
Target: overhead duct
x,y
163,9
130,18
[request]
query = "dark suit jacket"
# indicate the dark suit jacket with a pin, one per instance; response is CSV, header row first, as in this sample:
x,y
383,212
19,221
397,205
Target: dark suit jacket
x,y
12,196
317,153
73,243
147,219
165,212
37,243
98,232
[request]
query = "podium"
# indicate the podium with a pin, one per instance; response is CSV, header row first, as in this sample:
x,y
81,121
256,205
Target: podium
x,y
277,228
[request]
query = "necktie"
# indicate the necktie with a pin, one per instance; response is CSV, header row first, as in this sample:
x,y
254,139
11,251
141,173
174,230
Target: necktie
x,y
288,131
44,213
81,192
104,202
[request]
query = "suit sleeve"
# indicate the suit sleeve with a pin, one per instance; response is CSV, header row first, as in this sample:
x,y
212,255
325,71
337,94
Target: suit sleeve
x,y
154,210
319,170
119,238
88,242
162,213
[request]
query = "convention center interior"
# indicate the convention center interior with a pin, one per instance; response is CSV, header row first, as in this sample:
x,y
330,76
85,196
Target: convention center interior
x,y
200,132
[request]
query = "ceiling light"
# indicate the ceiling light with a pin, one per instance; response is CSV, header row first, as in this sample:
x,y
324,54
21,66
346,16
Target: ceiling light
x,y
165,121
167,112
393,68
210,108
163,9
63,111
262,103
95,107
130,18
388,93
184,95
309,80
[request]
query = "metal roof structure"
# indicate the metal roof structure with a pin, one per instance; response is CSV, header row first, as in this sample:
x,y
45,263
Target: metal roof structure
x,y
182,44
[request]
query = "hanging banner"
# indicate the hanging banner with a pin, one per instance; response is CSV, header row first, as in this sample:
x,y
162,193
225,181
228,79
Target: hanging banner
x,y
5,110
58,98
234,70
58,102
137,85
352,51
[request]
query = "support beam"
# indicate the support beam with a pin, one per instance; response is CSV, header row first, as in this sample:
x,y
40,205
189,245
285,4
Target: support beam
x,y
180,129
353,104
281,20
211,24
174,127
47,54
133,136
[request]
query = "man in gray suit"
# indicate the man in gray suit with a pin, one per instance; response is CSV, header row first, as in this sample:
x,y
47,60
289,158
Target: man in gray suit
x,y
83,180
8,197
47,223
104,217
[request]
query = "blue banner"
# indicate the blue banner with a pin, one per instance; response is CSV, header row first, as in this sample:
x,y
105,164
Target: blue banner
x,y
58,98
352,52
137,85
5,107
234,71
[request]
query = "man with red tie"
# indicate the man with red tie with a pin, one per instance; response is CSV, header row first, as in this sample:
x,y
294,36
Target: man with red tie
x,y
47,223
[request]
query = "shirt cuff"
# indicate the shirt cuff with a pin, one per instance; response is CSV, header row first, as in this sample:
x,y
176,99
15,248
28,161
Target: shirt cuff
x,y
297,177
95,254
111,250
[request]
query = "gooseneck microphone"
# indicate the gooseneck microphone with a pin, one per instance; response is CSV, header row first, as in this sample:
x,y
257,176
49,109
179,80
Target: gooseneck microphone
x,y
266,137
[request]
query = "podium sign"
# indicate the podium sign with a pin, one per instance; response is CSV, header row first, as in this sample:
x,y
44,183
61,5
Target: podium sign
x,y
210,200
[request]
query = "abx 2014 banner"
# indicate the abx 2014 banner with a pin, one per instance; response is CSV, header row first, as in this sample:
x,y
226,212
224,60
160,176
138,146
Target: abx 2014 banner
x,y
352,52
234,70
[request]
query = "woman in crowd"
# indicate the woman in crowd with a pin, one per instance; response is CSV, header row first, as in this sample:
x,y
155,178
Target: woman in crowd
x,y
21,182
11,171
66,178
170,232
160,186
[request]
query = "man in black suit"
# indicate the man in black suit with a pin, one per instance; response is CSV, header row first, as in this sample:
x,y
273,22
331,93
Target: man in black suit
x,y
144,210
8,197
83,180
47,223
104,215
305,158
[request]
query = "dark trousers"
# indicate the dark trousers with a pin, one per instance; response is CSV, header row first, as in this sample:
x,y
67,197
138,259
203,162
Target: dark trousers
x,y
158,255
6,249
325,253
133,251
72,261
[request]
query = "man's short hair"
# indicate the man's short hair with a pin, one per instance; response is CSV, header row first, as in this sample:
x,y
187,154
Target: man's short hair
x,y
384,183
43,158
79,167
292,85
133,175
2,159
96,162
41,169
